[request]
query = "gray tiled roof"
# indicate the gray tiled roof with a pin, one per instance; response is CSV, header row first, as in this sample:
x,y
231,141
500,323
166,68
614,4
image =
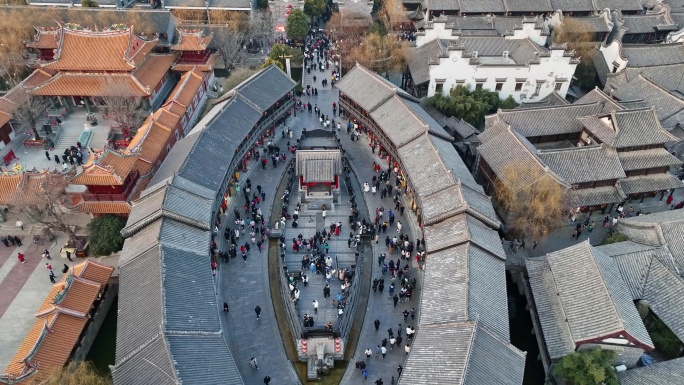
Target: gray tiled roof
x,y
404,124
648,23
573,5
550,100
228,4
642,55
184,4
596,95
175,159
521,51
454,163
549,120
649,183
187,280
597,196
140,302
626,247
461,228
667,372
442,204
150,365
582,296
461,127
443,5
267,87
195,356
665,103
482,6
584,164
319,165
622,5
368,90
428,172
656,157
509,148
536,6
462,353
639,127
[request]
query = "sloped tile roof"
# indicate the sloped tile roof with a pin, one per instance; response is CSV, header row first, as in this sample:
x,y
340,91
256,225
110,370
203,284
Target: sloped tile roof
x,y
548,120
45,38
573,5
418,62
641,55
405,125
462,353
666,372
584,164
582,297
187,87
622,5
94,271
81,50
191,40
656,157
666,104
596,95
109,169
153,69
597,196
536,6
481,6
368,90
90,84
649,183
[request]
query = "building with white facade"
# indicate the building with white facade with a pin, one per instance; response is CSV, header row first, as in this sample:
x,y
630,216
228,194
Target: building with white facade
x,y
516,64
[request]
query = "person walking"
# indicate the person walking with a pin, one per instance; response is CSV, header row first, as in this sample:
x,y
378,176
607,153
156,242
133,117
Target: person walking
x,y
400,369
225,307
315,306
48,266
406,314
407,349
257,310
395,299
365,374
267,380
383,351
368,353
21,258
253,362
68,255
52,277
377,324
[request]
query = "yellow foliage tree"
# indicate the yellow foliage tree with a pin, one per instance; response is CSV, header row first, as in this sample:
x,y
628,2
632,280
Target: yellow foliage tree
x,y
577,34
383,54
533,199
76,373
392,13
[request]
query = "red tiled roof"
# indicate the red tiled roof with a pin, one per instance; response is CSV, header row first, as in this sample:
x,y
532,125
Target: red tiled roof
x,y
191,40
187,87
95,207
110,169
91,84
60,322
45,38
153,69
206,67
81,50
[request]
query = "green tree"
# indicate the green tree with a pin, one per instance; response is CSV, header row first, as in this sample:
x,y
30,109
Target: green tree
x,y
508,104
315,8
89,4
104,234
665,341
615,237
589,367
471,106
297,25
270,61
262,4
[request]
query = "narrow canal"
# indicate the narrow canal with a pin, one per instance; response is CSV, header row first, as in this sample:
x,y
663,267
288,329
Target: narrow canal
x,y
104,346
521,334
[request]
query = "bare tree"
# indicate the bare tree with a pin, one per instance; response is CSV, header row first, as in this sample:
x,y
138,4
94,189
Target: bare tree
x,y
76,373
31,110
533,208
124,107
261,28
230,44
41,198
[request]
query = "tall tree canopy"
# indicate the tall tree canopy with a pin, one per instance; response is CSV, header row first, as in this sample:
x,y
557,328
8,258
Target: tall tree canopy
x,y
297,25
471,106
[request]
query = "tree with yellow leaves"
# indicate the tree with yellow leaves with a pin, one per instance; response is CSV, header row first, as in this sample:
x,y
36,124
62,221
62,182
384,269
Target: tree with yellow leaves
x,y
533,199
383,54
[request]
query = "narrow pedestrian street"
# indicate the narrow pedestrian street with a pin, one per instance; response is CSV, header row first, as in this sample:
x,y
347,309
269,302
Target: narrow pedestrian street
x,y
244,285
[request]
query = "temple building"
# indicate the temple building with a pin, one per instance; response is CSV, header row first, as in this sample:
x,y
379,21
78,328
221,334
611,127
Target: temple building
x,y
319,166
192,47
61,321
113,177
84,65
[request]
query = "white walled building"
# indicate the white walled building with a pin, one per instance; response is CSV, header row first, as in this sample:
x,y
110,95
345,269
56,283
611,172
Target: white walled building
x,y
516,64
